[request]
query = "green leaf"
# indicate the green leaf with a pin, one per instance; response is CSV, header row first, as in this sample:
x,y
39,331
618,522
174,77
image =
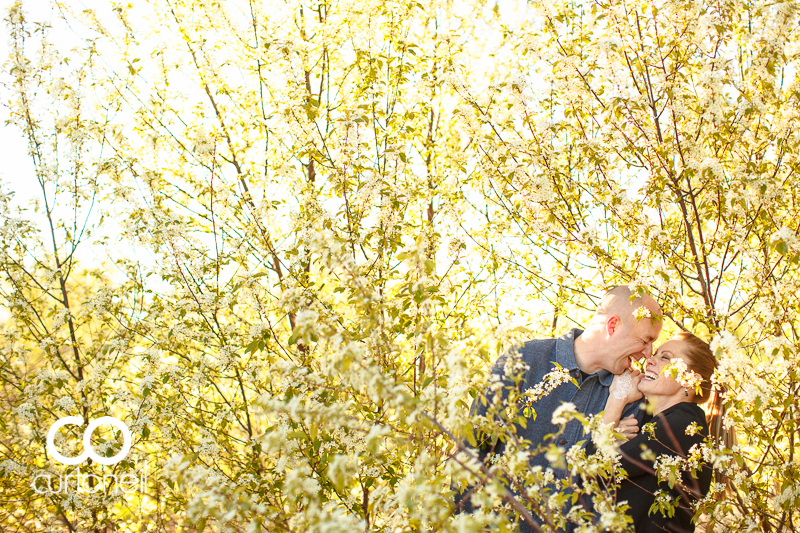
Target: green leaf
x,y
300,435
294,338
471,438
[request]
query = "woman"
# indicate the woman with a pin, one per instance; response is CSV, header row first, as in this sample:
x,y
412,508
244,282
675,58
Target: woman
x,y
676,409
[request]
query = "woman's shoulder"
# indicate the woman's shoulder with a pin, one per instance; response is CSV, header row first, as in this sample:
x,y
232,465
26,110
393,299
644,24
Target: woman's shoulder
x,y
686,410
683,415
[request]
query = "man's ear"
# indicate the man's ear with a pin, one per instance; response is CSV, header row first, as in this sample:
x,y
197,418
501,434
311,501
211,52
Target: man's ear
x,y
613,323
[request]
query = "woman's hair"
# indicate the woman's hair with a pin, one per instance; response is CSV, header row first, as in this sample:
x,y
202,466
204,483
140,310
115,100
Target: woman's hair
x,y
702,361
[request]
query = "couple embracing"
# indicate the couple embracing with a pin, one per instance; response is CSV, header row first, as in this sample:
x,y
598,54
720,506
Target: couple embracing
x,y
599,359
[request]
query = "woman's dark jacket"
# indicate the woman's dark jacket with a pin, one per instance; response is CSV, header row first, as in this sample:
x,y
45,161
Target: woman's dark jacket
x,y
669,438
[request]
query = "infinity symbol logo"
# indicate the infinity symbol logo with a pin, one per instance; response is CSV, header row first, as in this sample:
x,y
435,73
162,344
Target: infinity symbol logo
x,y
88,451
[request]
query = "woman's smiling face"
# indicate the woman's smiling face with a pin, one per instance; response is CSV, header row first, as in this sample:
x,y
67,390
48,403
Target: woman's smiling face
x,y
655,382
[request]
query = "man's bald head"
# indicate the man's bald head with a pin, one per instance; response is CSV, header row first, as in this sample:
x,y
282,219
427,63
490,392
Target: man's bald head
x,y
618,334
617,302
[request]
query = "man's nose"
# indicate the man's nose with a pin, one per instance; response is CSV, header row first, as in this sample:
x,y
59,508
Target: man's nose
x,y
648,351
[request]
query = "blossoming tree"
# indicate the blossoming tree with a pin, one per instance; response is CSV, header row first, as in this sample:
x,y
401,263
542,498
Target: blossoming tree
x,y
283,241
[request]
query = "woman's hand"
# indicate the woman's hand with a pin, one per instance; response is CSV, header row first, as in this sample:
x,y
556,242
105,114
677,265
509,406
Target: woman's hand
x,y
625,387
629,427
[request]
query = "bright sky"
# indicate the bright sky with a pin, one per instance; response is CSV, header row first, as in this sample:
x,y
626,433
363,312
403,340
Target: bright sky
x,y
17,170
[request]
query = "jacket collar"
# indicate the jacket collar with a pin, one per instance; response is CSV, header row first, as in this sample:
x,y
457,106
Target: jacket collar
x,y
565,356
565,349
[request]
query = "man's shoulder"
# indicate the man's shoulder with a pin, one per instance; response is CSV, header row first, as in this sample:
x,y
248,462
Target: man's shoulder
x,y
537,347
533,353
538,354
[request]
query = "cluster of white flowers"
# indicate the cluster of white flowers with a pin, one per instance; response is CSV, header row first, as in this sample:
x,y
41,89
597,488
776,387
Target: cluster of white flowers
x,y
208,446
100,304
10,467
604,439
663,498
306,318
532,185
667,466
790,494
693,429
48,345
715,488
226,355
788,237
549,382
48,375
641,312
564,413
688,379
60,318
351,440
205,143
66,403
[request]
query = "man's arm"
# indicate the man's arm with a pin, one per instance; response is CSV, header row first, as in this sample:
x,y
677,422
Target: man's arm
x,y
502,381
507,373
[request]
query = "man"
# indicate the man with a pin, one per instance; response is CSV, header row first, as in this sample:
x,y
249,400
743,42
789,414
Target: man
x,y
620,331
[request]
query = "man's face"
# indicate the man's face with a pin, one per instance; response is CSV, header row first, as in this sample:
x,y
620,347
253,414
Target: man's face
x,y
633,340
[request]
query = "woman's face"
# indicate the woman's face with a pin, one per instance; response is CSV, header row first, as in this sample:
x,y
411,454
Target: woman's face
x,y
654,381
